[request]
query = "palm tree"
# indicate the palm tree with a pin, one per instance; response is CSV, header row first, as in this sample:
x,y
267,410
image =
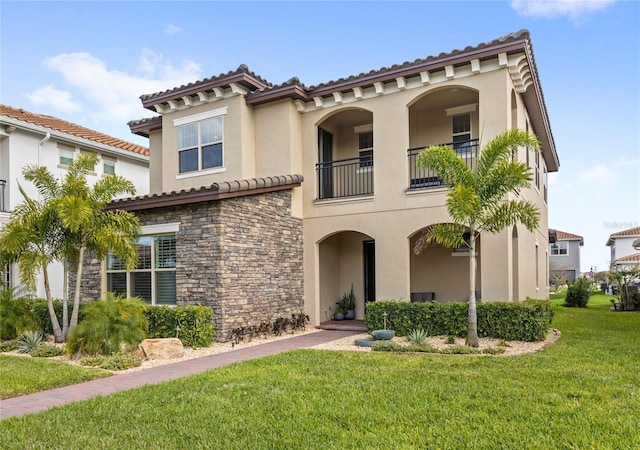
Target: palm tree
x,y
69,221
88,226
33,237
476,200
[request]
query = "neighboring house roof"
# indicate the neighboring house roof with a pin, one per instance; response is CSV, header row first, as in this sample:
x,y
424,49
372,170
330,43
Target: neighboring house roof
x,y
53,123
564,236
634,258
258,91
217,191
636,244
631,232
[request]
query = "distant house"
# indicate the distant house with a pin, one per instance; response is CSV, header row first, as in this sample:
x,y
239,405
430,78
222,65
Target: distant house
x,y
28,138
624,247
564,256
274,199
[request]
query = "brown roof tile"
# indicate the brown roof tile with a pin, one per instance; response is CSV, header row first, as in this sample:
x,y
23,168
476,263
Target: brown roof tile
x,y
71,128
635,257
215,192
630,232
566,236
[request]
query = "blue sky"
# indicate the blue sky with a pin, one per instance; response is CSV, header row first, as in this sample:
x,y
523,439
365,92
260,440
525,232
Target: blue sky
x,y
88,62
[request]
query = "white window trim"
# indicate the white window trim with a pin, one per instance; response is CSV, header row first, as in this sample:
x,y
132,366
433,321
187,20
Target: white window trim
x,y
200,116
558,245
161,228
200,173
459,110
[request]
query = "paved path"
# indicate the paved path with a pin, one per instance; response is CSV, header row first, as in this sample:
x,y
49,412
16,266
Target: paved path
x,y
40,401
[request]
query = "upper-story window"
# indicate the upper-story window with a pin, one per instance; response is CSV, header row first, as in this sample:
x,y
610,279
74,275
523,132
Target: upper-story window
x,y
536,159
108,166
365,149
66,154
560,248
200,141
461,133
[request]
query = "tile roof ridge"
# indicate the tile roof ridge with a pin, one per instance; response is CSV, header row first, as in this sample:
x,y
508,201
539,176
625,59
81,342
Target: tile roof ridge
x,y
72,129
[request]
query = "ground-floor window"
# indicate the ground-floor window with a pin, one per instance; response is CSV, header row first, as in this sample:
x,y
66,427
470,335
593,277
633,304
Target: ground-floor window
x,y
154,278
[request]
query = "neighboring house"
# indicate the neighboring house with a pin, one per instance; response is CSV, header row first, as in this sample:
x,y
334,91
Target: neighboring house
x,y
35,139
624,247
564,256
271,244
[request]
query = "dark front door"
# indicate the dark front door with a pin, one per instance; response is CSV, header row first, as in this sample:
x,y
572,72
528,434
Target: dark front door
x,y
325,166
369,252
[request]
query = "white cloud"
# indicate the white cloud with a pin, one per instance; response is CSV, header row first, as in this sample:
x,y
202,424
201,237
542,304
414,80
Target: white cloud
x,y
113,95
599,175
172,29
551,9
58,99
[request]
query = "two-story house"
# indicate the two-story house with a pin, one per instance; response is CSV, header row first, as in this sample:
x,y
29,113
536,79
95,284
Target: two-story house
x,y
564,256
625,246
28,138
328,192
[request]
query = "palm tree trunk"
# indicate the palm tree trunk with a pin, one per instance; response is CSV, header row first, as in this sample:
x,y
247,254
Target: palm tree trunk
x,y
55,325
76,298
65,306
472,327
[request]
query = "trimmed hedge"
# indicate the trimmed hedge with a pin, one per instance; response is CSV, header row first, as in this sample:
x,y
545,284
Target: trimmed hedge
x,y
40,309
196,324
514,321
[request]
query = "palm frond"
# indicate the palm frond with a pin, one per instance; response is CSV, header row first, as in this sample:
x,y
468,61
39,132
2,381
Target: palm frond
x,y
463,203
445,162
500,148
509,213
501,179
450,235
44,181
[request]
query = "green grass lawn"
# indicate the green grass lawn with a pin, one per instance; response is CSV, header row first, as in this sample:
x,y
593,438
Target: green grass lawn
x,y
22,375
582,393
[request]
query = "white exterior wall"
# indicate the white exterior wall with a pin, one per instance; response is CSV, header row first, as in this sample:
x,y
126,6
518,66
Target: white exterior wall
x,y
24,146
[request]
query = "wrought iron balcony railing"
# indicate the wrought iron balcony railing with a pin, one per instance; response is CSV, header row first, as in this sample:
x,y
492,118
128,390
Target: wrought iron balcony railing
x,y
426,178
345,177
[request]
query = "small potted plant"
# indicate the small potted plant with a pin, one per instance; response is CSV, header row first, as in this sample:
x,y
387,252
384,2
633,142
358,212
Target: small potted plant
x,y
347,304
339,314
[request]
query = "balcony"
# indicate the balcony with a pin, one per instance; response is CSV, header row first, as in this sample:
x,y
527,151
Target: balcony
x,y
426,178
342,178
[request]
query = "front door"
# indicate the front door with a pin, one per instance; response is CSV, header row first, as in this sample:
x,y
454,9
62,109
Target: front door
x,y
369,253
325,166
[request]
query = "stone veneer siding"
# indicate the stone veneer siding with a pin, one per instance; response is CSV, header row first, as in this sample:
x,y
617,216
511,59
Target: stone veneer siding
x,y
242,256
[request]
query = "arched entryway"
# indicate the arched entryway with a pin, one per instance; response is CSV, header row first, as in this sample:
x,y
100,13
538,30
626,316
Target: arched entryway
x,y
440,272
346,258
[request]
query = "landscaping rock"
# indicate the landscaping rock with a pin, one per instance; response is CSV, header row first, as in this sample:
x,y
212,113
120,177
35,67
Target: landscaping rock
x,y
168,348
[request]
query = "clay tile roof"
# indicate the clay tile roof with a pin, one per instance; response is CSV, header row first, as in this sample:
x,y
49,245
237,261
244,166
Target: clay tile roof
x,y
629,258
217,191
242,75
72,129
630,232
567,236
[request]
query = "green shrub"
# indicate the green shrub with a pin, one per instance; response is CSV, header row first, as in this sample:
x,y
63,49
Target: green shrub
x,y
196,324
417,336
40,310
29,341
109,324
515,321
46,351
459,350
7,346
15,313
118,361
578,293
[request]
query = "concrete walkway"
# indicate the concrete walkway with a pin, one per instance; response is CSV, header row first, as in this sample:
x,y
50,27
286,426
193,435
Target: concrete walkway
x,y
41,401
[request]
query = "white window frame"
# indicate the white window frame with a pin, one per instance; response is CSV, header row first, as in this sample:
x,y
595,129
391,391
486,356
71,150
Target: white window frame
x,y
108,161
199,118
361,131
64,153
151,231
557,247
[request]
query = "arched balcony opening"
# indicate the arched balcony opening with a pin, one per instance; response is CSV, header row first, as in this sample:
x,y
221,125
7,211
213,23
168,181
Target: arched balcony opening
x,y
447,116
345,155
